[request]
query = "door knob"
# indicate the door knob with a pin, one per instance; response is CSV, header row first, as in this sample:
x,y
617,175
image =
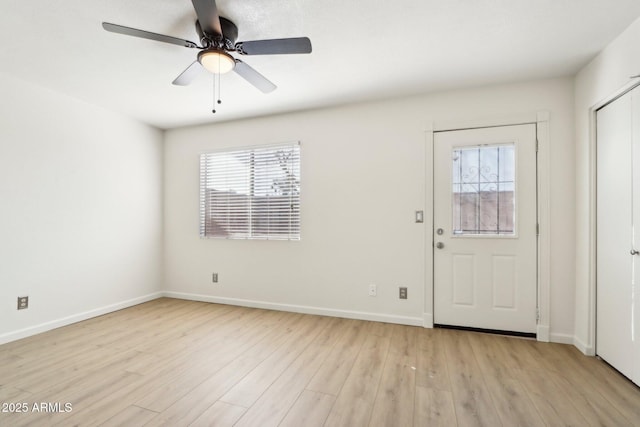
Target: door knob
x,y
439,245
634,252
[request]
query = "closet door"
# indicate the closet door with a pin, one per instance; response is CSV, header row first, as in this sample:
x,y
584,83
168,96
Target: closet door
x,y
635,250
615,341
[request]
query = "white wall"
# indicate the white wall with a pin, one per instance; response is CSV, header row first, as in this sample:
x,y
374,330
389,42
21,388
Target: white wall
x,y
604,77
363,176
80,209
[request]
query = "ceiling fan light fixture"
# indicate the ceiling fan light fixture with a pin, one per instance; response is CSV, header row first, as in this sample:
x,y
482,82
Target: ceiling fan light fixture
x,y
216,60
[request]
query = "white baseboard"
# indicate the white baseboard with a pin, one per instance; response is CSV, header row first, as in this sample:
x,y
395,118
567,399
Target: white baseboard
x,y
561,338
47,326
545,335
587,350
321,311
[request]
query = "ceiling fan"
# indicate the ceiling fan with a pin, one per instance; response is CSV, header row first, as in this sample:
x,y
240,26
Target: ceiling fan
x,y
218,39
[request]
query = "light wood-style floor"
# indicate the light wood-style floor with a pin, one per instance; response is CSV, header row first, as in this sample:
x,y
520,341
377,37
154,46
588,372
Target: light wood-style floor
x,y
172,362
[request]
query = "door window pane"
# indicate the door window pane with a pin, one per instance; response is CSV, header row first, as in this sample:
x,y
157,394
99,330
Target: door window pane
x,y
484,190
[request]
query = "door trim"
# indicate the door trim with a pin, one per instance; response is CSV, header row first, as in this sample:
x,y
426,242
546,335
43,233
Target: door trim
x,y
541,120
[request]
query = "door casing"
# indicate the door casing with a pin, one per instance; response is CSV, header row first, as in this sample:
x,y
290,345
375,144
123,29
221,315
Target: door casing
x,y
541,120
508,261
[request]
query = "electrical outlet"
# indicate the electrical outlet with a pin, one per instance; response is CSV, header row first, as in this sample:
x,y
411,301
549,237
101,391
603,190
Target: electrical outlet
x,y
23,302
214,277
373,290
403,292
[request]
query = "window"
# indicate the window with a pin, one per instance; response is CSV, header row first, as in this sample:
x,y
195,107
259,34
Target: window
x,y
251,193
484,190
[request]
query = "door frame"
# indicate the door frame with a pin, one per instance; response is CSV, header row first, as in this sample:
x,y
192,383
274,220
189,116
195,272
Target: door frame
x,y
541,120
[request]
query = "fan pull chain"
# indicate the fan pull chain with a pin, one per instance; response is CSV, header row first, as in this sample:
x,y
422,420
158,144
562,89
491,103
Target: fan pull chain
x,y
219,80
216,76
214,94
219,91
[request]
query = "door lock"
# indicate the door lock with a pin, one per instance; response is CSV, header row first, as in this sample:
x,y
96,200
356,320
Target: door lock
x,y
634,252
439,245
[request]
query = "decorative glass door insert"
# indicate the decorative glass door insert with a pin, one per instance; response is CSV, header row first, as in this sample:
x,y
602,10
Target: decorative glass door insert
x,y
484,190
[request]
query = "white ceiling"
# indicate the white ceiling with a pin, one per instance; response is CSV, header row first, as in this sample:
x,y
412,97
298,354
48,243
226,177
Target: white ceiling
x,y
362,50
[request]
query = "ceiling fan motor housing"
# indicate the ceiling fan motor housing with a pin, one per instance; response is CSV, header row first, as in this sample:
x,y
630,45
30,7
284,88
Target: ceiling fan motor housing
x,y
226,40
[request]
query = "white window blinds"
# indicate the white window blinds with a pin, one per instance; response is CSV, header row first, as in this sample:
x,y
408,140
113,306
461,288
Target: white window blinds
x,y
251,193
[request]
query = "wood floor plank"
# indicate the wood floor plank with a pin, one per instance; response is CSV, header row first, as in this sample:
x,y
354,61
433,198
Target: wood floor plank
x,y
310,410
394,402
589,403
396,392
51,339
66,369
434,408
10,359
472,399
334,371
515,354
8,396
94,389
569,371
99,395
431,368
178,382
275,402
354,404
141,313
576,380
220,414
23,368
130,416
613,391
381,329
15,419
247,391
160,389
169,339
195,402
12,394
546,356
550,400
191,406
217,340
509,396
95,412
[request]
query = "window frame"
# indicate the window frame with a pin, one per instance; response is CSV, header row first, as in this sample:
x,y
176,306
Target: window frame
x,y
277,221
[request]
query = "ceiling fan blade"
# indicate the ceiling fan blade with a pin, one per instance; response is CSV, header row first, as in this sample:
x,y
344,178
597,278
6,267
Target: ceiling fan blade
x,y
254,77
275,46
120,29
186,77
208,17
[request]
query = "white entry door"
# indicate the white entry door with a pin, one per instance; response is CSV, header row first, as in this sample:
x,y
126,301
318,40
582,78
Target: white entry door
x,y
485,244
618,235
